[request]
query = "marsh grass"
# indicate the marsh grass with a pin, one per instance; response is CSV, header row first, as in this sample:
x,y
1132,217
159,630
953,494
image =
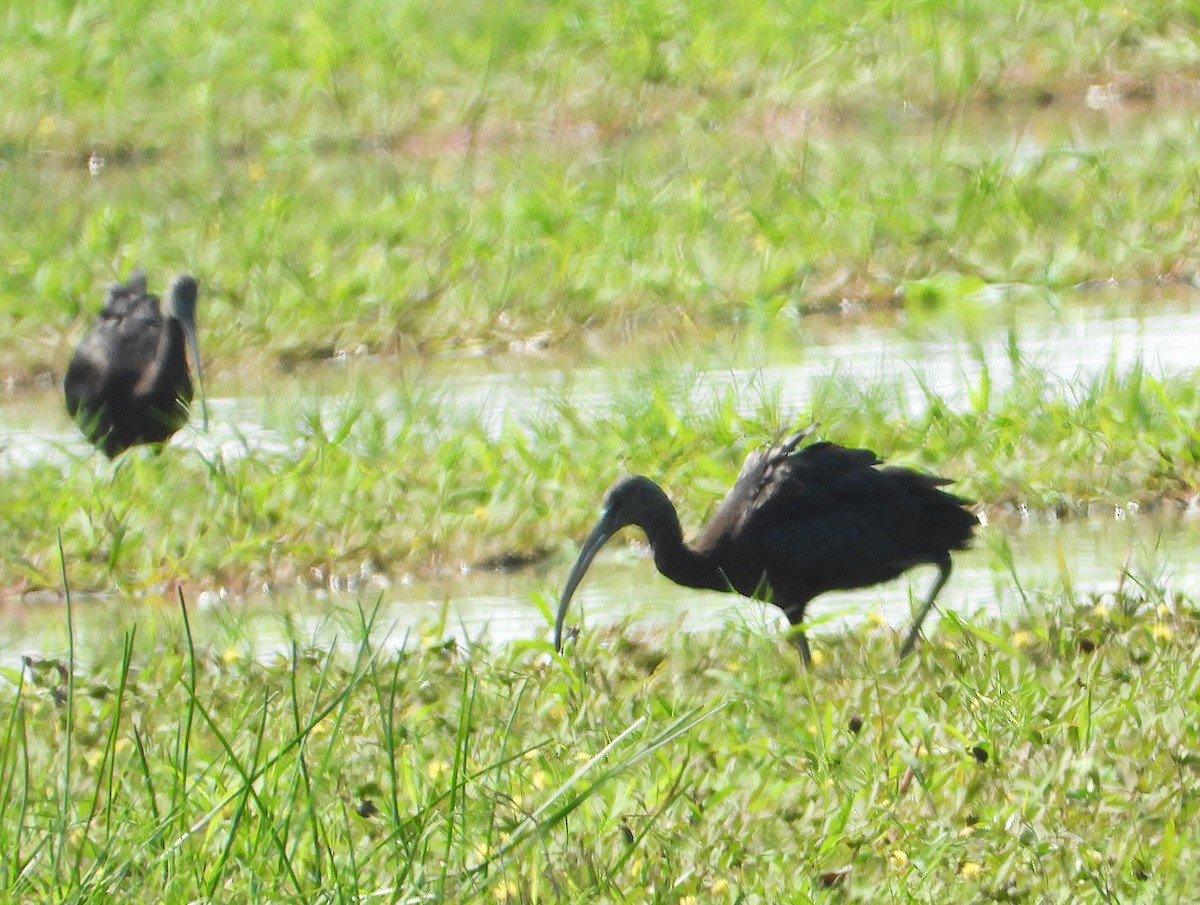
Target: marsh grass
x,y
368,485
397,184
1050,759
468,176
301,260
129,77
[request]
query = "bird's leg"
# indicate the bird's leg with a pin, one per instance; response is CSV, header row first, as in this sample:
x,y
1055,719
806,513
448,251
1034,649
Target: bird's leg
x,y
801,644
795,616
943,566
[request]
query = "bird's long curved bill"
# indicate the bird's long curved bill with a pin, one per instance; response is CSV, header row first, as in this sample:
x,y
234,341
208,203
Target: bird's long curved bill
x,y
600,534
189,336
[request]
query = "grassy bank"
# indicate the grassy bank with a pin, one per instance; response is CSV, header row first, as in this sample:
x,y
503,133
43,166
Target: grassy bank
x,y
139,76
499,173
415,483
304,256
1052,762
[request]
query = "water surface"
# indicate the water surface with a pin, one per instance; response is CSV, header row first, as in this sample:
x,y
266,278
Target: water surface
x,y
1116,328
1088,558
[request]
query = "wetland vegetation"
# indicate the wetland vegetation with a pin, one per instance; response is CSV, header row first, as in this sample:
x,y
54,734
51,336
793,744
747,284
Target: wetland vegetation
x,y
386,178
379,187
364,486
1054,760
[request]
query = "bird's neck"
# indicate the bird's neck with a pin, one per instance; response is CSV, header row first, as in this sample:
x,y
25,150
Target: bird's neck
x,y
169,370
680,563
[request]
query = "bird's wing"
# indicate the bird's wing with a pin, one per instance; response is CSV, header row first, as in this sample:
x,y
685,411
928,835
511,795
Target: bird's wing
x,y
822,498
796,483
113,355
830,507
87,373
758,484
136,284
830,519
730,514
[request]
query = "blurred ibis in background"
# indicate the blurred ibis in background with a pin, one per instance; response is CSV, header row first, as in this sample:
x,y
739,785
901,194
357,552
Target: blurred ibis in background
x,y
128,381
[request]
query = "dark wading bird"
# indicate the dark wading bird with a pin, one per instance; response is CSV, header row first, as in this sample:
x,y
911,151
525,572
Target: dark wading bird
x,y
797,523
128,381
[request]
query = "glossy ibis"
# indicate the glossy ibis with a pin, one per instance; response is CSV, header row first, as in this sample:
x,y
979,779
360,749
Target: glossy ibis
x,y
128,381
798,522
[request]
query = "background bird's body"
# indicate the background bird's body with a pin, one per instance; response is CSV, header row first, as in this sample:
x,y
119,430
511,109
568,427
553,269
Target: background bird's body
x,y
797,523
128,381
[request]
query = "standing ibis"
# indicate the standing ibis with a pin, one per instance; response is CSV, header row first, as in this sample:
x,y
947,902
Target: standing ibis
x,y
128,381
798,522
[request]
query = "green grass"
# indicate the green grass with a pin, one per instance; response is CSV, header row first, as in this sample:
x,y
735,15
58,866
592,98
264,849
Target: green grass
x,y
1052,761
413,179
300,257
471,175
137,76
416,484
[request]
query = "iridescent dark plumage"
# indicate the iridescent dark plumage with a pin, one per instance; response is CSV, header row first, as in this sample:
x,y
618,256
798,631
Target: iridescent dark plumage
x,y
799,521
128,381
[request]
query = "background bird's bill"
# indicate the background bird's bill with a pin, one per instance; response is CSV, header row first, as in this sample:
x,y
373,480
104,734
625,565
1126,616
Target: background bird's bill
x,y
605,528
189,336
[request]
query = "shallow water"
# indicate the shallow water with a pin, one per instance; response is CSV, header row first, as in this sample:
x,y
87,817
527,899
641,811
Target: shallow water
x,y
1071,338
1116,328
1089,558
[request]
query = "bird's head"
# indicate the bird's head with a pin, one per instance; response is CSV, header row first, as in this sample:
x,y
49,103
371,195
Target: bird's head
x,y
634,500
183,294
